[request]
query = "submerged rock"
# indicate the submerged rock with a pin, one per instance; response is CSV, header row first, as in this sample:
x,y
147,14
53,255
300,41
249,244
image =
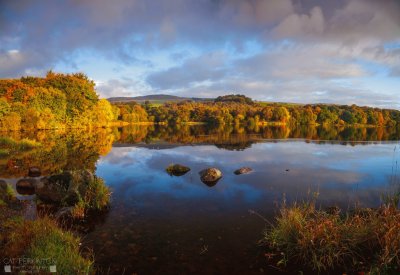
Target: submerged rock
x,y
210,176
34,172
177,169
26,186
243,170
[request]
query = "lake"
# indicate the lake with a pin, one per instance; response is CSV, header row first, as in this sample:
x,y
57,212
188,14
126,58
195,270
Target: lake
x,y
162,224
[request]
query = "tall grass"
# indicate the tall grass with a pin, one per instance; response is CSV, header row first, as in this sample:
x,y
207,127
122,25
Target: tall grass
x,y
363,239
43,239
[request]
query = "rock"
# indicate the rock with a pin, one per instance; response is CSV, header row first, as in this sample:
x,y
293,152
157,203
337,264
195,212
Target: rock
x,y
65,187
26,186
210,176
54,188
243,170
34,172
177,170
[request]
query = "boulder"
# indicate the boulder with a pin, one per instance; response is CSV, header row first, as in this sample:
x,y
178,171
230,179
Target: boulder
x,y
243,170
210,176
65,187
34,172
26,186
177,170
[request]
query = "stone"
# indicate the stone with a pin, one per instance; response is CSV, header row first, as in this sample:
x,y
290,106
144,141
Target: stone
x,y
243,170
26,186
177,170
64,187
210,176
34,172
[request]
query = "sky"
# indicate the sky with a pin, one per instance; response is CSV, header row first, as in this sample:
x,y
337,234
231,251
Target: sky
x,y
305,51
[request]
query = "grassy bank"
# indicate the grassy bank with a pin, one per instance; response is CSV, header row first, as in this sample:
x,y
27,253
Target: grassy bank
x,y
10,146
362,240
41,244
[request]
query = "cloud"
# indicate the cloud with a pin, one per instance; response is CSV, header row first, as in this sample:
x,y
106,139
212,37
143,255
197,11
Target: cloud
x,y
206,43
207,67
117,87
297,25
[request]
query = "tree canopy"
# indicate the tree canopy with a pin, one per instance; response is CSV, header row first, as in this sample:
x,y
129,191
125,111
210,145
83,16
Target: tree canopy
x,y
55,101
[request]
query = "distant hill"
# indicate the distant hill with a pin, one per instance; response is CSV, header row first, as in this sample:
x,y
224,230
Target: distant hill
x,y
155,98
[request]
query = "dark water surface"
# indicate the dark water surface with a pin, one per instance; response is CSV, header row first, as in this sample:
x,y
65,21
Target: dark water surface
x,y
160,224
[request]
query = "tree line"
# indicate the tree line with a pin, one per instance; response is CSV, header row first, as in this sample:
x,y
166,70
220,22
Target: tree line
x,y
241,110
70,101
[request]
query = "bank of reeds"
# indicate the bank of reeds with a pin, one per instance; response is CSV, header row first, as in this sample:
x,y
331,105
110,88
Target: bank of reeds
x,y
361,240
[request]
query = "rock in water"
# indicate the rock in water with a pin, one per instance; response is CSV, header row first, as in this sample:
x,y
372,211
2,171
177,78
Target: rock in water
x,y
243,170
34,172
177,170
64,187
26,186
210,176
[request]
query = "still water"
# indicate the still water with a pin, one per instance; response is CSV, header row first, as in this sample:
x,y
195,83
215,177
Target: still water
x,y
161,224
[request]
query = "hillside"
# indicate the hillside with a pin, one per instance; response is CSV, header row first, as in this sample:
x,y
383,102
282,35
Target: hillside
x,y
161,98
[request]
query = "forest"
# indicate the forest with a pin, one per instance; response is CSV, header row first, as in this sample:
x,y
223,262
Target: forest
x,y
71,101
53,102
241,110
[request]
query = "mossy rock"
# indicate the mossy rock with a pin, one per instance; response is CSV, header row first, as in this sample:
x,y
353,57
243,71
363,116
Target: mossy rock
x,y
210,176
177,170
72,188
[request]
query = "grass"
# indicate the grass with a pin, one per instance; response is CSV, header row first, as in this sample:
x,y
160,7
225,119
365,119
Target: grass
x,y
44,242
2,203
27,144
9,145
4,152
363,240
7,193
10,192
97,195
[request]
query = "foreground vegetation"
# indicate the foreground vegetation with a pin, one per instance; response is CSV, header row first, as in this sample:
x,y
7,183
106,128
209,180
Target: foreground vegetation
x,y
37,245
362,240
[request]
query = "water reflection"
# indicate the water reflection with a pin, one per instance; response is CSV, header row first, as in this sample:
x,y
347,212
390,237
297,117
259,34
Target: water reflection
x,y
171,218
161,224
